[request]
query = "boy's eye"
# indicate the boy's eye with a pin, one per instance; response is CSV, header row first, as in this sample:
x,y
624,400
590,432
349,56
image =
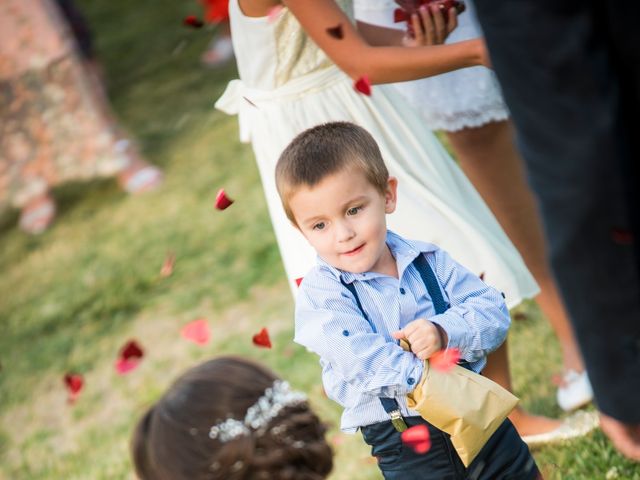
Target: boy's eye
x,y
353,210
318,226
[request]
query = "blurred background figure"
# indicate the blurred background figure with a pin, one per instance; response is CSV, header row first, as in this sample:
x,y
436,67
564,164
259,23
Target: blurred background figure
x,y
220,49
55,123
570,73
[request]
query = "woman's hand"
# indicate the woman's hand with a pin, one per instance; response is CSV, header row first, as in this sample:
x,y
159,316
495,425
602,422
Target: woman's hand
x,y
428,26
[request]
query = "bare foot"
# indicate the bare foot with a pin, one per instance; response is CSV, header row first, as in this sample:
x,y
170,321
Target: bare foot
x,y
529,424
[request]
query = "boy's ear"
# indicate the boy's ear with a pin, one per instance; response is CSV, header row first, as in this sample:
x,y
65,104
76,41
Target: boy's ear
x,y
391,195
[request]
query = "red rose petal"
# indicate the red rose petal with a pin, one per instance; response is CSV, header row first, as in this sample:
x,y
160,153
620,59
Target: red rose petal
x,y
192,21
222,201
481,276
363,85
197,331
299,281
167,266
273,13
129,358
216,11
444,360
125,365
417,438
261,339
336,32
74,383
131,350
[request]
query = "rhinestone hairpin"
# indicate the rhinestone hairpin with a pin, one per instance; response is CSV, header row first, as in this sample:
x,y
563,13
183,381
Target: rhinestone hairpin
x,y
258,416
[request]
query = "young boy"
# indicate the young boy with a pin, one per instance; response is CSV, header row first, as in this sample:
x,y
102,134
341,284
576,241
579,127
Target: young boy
x,y
368,291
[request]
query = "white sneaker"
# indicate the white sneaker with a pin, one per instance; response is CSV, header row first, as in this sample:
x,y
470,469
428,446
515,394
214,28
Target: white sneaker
x,y
575,392
576,425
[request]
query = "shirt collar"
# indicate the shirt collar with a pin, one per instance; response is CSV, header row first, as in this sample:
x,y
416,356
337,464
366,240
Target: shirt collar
x,y
403,250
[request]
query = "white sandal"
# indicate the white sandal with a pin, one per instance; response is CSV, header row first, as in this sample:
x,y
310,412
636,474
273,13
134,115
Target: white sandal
x,y
575,390
575,426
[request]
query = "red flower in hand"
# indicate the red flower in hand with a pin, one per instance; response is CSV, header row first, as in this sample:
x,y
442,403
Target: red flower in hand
x,y
261,339
417,438
444,360
130,355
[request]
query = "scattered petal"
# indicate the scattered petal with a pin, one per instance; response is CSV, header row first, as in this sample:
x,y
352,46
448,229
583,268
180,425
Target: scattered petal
x,y
336,32
216,11
520,316
125,366
222,201
274,13
261,339
130,355
197,331
74,383
417,437
444,360
622,236
363,85
192,21
299,281
481,276
167,266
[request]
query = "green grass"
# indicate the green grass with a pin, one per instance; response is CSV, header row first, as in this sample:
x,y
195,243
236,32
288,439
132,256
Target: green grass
x,y
71,297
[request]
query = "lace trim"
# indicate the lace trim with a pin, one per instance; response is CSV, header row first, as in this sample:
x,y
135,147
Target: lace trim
x,y
461,120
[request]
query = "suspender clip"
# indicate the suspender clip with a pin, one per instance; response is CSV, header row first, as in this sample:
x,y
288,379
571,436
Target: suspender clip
x,y
397,421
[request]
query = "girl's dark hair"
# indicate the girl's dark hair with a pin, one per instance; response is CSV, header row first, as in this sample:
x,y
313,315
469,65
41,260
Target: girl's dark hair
x,y
171,441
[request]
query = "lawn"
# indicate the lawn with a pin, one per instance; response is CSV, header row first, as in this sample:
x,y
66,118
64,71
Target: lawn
x,y
70,298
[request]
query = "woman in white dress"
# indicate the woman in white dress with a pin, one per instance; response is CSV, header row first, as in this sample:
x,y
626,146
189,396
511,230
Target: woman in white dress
x,y
292,63
467,105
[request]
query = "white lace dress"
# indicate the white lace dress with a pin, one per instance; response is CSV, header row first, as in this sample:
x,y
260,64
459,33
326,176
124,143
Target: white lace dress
x,y
287,84
469,97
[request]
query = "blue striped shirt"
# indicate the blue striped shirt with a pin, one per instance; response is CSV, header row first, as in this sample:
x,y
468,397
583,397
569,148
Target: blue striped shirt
x,y
360,360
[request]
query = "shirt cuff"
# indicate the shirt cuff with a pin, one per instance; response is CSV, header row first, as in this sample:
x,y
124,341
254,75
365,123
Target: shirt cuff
x,y
456,328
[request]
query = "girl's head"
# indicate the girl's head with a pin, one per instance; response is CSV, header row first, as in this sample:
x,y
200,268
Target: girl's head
x,y
197,430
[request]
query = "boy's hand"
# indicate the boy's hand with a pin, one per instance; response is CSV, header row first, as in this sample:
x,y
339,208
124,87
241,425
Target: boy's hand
x,y
425,337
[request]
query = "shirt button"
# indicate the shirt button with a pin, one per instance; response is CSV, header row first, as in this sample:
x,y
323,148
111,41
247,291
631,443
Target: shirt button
x,y
411,381
345,333
402,291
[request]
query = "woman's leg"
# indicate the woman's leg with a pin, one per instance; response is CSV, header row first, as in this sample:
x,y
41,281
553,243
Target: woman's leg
x,y
489,158
497,369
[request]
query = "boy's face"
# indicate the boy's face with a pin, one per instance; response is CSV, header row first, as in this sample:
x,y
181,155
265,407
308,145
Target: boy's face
x,y
343,217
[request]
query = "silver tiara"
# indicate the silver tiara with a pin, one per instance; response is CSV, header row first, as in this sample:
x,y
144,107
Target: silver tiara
x,y
258,416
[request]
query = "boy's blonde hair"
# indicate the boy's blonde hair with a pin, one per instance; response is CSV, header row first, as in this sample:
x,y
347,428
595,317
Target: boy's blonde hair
x,y
324,150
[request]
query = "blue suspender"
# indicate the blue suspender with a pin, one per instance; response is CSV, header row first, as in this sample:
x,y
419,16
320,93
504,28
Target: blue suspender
x,y
390,405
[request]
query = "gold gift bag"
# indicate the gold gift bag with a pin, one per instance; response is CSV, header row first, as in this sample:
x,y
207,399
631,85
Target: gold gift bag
x,y
464,404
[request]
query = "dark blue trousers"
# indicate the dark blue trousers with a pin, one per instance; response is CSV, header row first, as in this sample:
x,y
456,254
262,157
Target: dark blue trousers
x,y
504,457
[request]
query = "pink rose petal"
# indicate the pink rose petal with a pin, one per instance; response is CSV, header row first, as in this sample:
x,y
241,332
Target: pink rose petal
x,y
197,331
